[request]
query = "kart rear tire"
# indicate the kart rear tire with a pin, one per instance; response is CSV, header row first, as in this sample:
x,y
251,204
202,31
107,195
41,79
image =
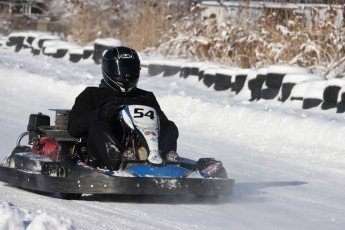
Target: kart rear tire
x,y
207,198
203,163
221,174
70,196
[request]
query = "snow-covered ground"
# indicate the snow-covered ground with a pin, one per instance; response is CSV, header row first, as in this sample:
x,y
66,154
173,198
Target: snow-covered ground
x,y
288,163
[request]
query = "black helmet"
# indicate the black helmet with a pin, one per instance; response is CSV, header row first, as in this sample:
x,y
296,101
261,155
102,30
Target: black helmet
x,y
121,68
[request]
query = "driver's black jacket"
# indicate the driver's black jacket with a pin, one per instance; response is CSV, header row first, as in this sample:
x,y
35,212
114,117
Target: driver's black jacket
x,y
88,104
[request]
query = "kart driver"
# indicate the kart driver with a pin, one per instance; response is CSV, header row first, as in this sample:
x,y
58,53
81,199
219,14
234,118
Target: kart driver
x,y
95,114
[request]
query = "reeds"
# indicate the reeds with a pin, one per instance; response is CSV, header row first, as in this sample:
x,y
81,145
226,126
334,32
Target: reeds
x,y
253,37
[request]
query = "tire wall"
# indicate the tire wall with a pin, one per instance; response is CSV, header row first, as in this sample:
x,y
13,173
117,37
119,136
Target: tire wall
x,y
251,85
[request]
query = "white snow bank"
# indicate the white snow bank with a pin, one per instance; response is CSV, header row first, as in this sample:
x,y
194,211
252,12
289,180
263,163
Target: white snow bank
x,y
245,93
241,122
298,77
89,48
18,34
35,43
335,82
211,71
109,42
79,50
229,71
288,163
315,90
15,218
52,46
286,69
341,92
3,41
298,91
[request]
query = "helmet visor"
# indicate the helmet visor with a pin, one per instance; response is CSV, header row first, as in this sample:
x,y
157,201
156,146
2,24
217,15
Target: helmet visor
x,y
123,68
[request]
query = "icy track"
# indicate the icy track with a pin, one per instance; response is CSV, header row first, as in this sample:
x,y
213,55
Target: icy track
x,y
288,163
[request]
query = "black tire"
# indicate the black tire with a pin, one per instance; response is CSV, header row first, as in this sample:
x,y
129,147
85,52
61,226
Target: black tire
x,y
185,71
330,93
208,198
341,107
75,57
208,79
155,69
269,93
212,198
222,82
239,82
70,196
221,174
87,54
286,91
309,103
60,53
274,80
170,70
203,163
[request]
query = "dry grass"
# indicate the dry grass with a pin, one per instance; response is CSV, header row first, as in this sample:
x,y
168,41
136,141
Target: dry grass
x,y
278,37
139,24
170,29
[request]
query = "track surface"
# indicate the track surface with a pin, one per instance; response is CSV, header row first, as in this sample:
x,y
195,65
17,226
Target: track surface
x,y
289,174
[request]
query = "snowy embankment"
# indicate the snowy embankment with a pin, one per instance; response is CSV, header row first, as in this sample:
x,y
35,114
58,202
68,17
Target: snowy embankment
x,y
288,163
12,218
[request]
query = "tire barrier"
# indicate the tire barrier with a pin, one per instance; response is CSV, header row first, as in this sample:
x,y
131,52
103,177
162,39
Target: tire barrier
x,y
224,79
331,92
341,101
313,96
88,51
201,73
75,54
287,84
209,69
256,82
246,86
101,45
297,93
274,79
51,45
240,79
17,40
185,70
37,43
209,76
171,68
190,68
54,48
167,67
155,67
290,80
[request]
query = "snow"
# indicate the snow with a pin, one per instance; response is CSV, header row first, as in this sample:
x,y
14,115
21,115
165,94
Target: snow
x,y
288,163
300,77
18,219
109,42
315,90
335,82
230,71
299,90
285,69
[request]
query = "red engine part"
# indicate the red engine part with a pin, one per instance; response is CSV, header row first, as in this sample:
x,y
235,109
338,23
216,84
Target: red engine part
x,y
47,146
